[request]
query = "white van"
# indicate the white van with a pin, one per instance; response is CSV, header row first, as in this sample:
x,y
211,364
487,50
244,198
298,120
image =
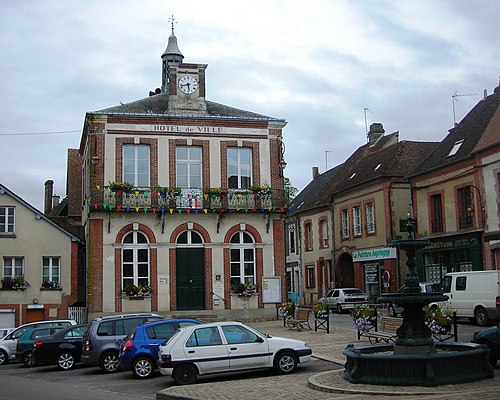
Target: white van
x,y
473,294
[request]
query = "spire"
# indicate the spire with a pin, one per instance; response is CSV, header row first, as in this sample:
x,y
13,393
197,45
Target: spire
x,y
172,55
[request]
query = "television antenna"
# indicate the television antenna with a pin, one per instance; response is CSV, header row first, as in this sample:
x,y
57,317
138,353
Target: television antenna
x,y
453,99
366,123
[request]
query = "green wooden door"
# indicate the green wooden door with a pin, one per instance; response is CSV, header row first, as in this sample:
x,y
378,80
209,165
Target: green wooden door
x,y
190,283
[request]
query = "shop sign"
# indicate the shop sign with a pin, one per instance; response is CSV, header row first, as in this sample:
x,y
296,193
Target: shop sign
x,y
373,254
371,273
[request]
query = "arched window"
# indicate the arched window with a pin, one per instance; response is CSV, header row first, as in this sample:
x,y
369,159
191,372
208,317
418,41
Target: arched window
x,y
242,259
135,261
190,238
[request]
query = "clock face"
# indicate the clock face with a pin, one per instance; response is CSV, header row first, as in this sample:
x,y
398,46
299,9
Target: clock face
x,y
187,84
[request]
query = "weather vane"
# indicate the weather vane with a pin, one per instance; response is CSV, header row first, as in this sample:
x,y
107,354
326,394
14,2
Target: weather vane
x,y
173,21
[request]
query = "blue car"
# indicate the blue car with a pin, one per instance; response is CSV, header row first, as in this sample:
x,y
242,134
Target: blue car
x,y
139,349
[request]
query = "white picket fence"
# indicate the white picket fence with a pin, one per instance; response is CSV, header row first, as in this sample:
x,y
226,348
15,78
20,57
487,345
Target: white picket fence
x,y
79,314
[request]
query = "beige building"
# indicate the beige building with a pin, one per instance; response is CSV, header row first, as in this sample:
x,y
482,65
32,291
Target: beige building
x,y
39,264
456,196
371,202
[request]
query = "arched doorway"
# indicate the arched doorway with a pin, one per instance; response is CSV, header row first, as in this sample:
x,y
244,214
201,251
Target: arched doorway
x,y
344,275
190,267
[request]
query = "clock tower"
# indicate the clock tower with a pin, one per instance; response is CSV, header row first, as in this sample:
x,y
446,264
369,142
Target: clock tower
x,y
183,82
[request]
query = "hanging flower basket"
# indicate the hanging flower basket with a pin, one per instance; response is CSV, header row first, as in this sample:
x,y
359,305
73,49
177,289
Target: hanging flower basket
x,y
439,321
364,318
51,285
138,291
320,311
245,290
120,187
15,283
287,309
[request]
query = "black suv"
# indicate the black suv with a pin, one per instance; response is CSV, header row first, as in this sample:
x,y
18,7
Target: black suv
x,y
103,337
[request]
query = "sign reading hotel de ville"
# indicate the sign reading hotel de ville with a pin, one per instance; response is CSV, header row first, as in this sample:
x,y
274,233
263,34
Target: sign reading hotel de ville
x,y
191,129
380,253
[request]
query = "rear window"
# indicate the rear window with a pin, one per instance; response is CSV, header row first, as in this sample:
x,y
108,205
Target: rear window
x,y
163,331
353,291
124,326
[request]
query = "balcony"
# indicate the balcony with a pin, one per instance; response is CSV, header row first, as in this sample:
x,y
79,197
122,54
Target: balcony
x,y
161,200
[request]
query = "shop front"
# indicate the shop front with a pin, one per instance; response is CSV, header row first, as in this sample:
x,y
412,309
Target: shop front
x,y
379,266
455,253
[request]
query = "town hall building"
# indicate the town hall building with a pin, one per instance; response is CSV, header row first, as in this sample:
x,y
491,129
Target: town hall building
x,y
184,202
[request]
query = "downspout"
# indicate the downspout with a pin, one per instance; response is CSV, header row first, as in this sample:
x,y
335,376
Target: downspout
x,y
391,232
332,250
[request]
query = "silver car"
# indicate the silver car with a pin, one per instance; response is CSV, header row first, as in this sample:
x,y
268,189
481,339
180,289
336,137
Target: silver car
x,y
344,299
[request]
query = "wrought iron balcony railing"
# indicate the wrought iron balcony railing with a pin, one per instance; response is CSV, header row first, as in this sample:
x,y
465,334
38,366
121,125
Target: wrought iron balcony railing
x,y
171,200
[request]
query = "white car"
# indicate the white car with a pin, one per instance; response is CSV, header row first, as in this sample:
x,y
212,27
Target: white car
x,y
344,299
226,347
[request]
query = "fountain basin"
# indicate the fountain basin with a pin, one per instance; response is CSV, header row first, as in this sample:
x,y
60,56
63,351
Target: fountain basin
x,y
452,363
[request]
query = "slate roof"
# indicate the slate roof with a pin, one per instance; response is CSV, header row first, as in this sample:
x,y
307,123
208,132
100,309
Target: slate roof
x,y
39,215
316,193
385,159
388,158
476,128
158,104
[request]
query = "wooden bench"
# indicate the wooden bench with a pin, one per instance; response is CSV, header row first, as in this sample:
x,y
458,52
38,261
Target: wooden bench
x,y
384,331
301,319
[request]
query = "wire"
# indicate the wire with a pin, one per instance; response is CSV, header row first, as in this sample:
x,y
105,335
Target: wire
x,y
36,133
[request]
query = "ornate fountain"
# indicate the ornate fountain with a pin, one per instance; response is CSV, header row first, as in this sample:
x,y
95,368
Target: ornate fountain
x,y
415,359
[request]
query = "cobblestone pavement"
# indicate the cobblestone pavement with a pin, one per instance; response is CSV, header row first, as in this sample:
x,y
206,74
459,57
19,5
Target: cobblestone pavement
x,y
326,385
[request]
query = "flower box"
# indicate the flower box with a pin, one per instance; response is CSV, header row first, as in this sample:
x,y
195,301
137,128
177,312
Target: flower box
x,y
364,318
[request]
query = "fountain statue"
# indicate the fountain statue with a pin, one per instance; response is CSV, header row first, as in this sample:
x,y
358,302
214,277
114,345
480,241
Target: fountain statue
x,y
414,358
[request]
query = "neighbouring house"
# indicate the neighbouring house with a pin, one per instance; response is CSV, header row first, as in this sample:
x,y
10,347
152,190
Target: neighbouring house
x,y
39,264
347,217
371,202
309,235
456,196
185,202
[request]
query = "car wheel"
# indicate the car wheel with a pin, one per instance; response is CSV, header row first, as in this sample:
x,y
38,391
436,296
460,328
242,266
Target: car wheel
x,y
65,361
285,362
143,368
392,311
339,308
481,316
185,374
4,359
109,362
28,359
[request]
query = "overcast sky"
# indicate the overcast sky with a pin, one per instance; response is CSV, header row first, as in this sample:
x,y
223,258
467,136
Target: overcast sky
x,y
316,64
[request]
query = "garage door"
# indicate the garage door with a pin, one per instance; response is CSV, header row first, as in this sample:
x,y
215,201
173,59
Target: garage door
x,y
7,318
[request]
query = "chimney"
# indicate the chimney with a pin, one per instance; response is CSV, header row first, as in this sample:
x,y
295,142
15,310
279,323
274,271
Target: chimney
x,y
55,201
376,131
315,172
49,190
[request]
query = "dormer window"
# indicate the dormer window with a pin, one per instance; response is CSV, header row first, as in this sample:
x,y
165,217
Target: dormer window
x,y
455,148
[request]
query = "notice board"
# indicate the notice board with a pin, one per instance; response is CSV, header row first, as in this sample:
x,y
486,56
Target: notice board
x,y
271,289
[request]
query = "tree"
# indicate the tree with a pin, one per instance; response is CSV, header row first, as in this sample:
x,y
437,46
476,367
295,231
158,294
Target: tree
x,y
290,190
